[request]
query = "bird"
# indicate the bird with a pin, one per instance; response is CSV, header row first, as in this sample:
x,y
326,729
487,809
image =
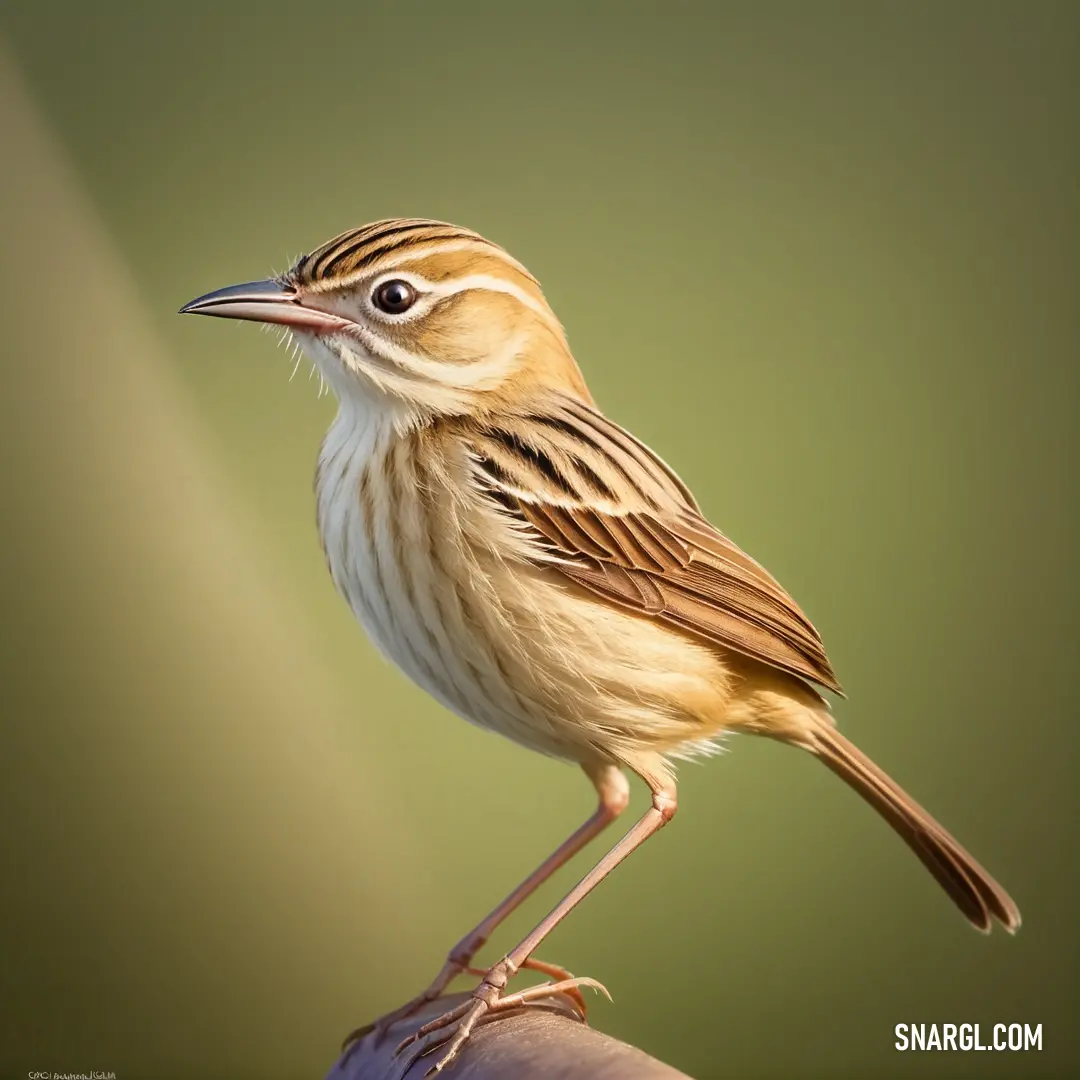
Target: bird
x,y
539,570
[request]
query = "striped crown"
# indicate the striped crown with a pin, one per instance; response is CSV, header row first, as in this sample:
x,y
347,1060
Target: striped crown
x,y
363,250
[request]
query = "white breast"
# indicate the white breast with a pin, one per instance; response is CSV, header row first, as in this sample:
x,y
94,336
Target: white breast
x,y
355,440
377,542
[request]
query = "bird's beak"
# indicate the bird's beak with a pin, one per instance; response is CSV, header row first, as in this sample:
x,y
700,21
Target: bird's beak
x,y
264,301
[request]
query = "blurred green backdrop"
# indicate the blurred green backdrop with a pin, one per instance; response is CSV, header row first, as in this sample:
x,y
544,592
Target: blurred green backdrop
x,y
822,256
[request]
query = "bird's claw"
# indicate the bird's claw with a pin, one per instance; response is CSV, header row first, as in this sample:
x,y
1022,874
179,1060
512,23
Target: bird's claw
x,y
559,974
486,1002
451,969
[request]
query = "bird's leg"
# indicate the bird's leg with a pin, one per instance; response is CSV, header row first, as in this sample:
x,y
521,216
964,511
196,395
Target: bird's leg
x,y
613,792
457,1025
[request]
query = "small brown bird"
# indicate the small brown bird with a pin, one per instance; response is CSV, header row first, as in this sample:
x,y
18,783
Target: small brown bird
x,y
539,570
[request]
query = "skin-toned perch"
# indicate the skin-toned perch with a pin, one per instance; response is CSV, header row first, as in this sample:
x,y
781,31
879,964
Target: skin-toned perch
x,y
543,1041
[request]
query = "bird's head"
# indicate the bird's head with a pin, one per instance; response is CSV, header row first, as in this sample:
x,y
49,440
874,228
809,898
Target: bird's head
x,y
414,313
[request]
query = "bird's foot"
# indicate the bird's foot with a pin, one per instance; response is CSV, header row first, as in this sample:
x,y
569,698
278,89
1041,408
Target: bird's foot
x,y
487,1001
450,971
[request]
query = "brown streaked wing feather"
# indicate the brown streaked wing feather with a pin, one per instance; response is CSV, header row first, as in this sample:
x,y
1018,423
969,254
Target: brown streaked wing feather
x,y
659,557
711,598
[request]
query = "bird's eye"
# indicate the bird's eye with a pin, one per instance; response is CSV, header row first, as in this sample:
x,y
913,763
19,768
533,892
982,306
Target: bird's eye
x,y
394,297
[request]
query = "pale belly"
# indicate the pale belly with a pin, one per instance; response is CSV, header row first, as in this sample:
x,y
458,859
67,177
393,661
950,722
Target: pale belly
x,y
498,643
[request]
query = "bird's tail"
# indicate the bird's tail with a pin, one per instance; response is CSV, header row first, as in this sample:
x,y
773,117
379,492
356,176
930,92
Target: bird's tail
x,y
972,889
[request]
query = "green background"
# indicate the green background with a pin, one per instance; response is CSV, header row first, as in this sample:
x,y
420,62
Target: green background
x,y
821,256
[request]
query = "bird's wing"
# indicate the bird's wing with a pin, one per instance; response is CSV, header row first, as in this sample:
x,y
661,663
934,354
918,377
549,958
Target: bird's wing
x,y
609,515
